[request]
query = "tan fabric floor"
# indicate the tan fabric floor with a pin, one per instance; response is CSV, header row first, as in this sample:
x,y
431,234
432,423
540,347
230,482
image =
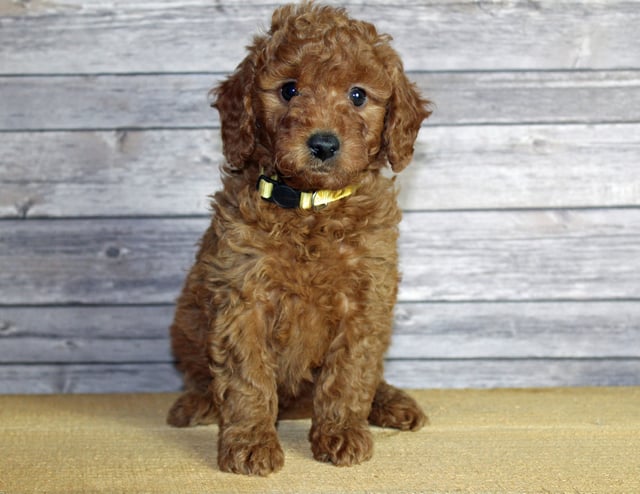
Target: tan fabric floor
x,y
520,441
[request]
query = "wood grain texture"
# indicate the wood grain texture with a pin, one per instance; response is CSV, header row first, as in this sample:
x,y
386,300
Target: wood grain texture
x,y
457,256
520,255
77,174
164,172
135,101
508,373
88,378
521,239
184,36
96,334
589,329
540,166
408,373
125,334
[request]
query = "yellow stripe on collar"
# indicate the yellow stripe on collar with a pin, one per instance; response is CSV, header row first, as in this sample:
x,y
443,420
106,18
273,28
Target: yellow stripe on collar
x,y
284,196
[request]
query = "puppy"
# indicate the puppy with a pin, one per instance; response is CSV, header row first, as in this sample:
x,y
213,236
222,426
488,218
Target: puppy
x,y
292,292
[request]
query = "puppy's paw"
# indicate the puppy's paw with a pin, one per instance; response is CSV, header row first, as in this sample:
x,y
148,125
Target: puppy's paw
x,y
394,408
250,453
191,409
341,445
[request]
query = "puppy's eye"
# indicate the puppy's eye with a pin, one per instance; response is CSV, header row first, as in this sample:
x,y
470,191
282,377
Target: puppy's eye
x,y
358,96
289,90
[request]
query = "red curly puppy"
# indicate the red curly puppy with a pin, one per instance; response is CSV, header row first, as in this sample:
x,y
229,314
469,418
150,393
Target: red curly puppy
x,y
292,293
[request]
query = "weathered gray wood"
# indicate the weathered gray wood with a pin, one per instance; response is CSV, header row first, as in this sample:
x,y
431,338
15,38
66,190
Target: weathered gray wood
x,y
513,373
108,173
422,331
123,378
149,173
491,297
108,102
524,167
180,100
514,255
566,329
88,378
532,97
108,261
85,334
79,36
528,255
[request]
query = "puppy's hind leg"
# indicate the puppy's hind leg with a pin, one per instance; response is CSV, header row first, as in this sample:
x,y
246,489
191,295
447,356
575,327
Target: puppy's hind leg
x,y
189,342
394,408
196,405
192,408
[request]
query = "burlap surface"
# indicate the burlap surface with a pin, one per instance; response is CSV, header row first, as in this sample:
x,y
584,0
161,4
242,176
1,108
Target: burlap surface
x,y
520,441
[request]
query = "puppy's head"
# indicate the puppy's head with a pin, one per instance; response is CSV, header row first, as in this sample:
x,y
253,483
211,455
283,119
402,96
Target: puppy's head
x,y
319,99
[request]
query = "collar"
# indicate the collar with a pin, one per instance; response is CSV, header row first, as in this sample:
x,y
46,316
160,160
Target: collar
x,y
272,190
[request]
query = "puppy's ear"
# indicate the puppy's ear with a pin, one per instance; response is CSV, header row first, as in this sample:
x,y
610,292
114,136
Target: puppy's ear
x,y
405,113
234,102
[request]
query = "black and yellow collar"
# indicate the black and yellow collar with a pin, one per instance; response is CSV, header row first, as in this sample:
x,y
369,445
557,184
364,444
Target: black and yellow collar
x,y
272,190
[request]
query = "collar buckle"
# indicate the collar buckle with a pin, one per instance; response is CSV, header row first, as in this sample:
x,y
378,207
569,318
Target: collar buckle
x,y
279,193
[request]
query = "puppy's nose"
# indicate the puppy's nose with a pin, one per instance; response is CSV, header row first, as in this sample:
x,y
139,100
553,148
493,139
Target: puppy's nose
x,y
323,145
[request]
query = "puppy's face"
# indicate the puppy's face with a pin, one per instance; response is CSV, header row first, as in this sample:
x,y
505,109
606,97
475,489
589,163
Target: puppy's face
x,y
323,107
320,99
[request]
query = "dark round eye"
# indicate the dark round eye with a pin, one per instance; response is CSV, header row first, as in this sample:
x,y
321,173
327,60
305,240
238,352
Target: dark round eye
x,y
358,96
289,90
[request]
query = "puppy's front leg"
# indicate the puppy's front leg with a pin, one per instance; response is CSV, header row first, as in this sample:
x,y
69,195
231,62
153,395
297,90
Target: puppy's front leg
x,y
245,390
342,402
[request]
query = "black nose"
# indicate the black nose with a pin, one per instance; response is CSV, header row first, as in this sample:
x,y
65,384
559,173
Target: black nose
x,y
323,145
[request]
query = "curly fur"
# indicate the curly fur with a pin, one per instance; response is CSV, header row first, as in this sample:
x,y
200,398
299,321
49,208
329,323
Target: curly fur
x,y
284,306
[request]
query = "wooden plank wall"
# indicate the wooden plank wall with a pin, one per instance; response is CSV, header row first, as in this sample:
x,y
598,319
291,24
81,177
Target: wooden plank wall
x,y
521,239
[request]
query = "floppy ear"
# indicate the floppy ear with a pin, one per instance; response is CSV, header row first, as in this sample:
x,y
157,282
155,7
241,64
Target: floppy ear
x,y
234,102
405,113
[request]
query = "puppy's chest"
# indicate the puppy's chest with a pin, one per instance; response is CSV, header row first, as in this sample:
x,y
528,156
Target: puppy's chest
x,y
319,260
315,278
315,255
